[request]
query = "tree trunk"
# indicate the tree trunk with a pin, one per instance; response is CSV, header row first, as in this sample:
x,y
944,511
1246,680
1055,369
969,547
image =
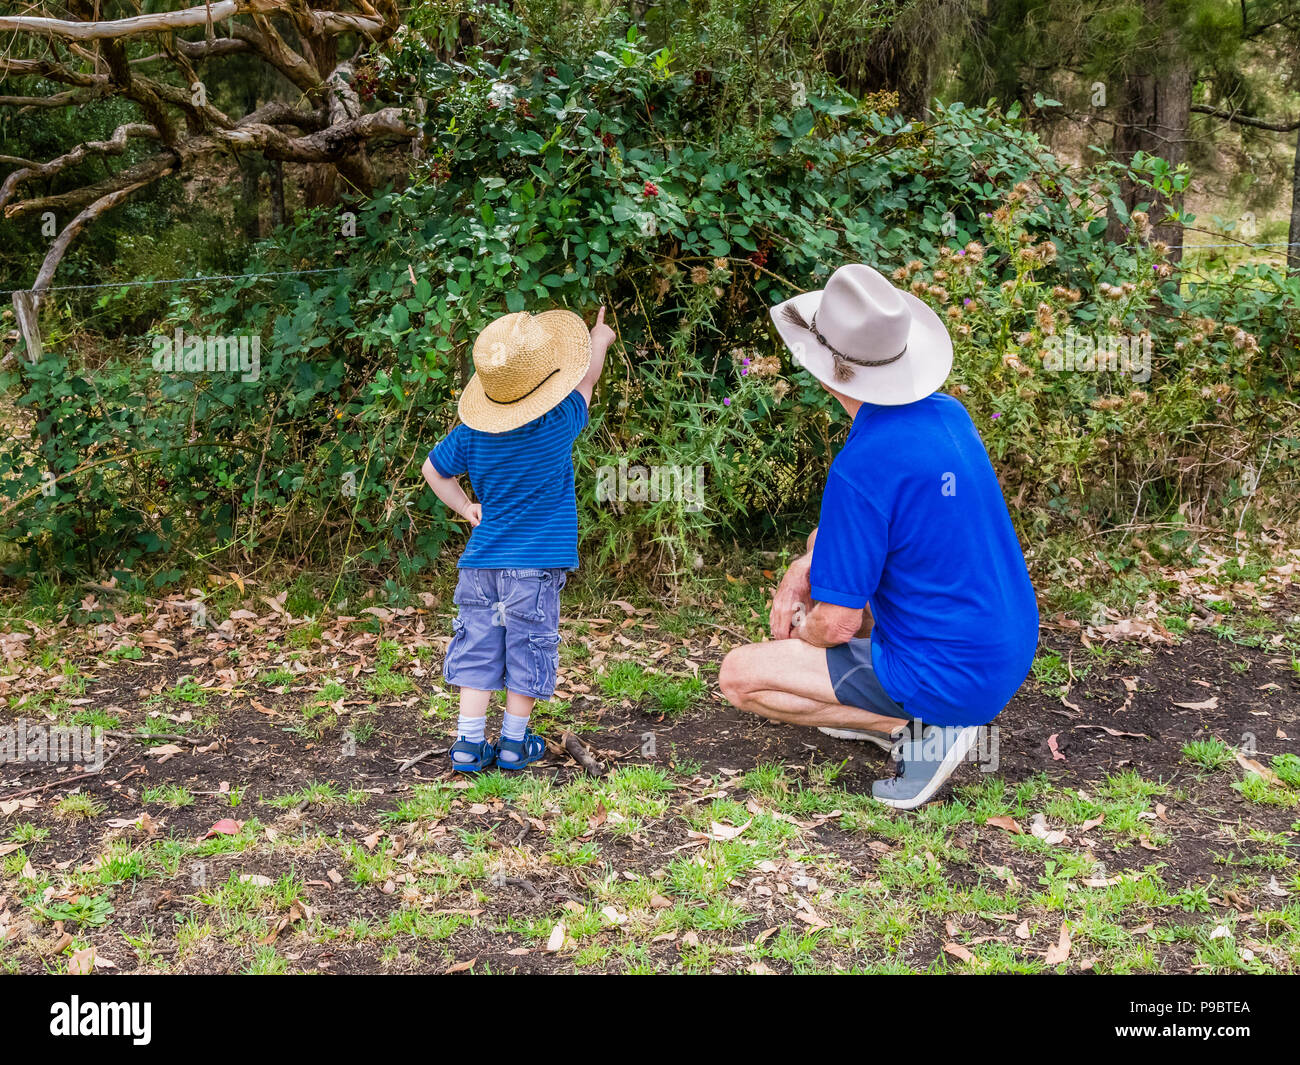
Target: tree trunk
x,y
1293,234
248,212
1154,117
277,193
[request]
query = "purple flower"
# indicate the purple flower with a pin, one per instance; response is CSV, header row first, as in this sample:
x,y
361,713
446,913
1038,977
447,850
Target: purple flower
x,y
745,362
997,416
744,371
966,302
727,402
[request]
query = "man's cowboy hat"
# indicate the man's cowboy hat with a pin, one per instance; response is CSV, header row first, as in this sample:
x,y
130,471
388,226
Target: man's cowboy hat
x,y
524,364
866,339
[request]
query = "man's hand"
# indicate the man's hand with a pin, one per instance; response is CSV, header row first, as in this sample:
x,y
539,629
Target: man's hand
x,y
793,598
473,514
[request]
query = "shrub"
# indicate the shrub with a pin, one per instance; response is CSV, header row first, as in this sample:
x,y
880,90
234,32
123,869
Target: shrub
x,y
688,206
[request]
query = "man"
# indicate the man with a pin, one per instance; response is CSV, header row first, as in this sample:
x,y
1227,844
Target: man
x,y
914,533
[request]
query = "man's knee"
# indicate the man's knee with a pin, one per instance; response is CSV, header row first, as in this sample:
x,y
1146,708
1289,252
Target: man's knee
x,y
732,677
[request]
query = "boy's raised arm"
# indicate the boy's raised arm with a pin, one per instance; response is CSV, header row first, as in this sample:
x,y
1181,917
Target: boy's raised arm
x,y
601,338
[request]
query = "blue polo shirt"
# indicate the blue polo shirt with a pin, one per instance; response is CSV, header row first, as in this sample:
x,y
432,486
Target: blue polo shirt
x,y
524,480
913,522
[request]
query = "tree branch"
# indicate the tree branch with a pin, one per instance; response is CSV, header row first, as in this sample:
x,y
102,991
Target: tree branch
x,y
115,145
326,22
1277,126
70,232
135,177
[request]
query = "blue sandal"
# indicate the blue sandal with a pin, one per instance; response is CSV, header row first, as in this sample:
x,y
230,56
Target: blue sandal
x,y
526,751
482,755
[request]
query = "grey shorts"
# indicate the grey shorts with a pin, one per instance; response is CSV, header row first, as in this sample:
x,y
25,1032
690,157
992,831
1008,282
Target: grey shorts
x,y
854,679
507,634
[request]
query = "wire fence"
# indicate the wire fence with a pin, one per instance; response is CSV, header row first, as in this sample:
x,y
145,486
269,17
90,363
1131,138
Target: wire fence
x,y
205,278
179,280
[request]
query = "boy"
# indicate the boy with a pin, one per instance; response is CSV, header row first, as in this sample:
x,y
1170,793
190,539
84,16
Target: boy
x,y
521,412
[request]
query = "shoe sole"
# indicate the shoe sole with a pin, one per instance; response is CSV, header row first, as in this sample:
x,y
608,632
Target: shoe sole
x,y
880,739
955,756
515,767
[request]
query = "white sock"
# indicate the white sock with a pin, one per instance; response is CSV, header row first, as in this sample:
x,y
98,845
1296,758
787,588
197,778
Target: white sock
x,y
513,728
473,729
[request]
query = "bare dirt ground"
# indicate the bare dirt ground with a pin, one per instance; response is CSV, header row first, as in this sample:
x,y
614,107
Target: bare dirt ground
x,y
269,803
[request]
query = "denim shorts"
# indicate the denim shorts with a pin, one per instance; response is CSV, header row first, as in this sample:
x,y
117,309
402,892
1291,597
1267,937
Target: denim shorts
x,y
507,634
854,679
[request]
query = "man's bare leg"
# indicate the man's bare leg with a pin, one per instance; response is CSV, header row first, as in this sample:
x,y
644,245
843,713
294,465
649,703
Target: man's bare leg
x,y
788,680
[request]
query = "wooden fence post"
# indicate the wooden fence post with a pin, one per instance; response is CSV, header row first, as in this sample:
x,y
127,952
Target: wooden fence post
x,y
25,304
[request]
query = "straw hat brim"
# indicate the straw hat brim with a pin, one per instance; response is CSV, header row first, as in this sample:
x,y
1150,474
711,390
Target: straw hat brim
x,y
572,346
919,373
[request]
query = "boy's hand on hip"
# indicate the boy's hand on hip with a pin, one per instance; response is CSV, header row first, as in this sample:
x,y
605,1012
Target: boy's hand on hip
x,y
473,514
602,336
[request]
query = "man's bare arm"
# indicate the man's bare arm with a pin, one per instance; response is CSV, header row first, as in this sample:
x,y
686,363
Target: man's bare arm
x,y
828,625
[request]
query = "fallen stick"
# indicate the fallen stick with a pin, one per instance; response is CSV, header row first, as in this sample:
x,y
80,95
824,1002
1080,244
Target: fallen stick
x,y
58,783
171,737
525,885
581,755
420,758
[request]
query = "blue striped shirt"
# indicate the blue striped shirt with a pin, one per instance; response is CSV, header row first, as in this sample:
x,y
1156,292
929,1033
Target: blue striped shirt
x,y
524,480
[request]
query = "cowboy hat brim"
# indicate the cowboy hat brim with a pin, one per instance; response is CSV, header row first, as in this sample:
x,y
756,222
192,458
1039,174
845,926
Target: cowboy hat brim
x,y
572,342
920,372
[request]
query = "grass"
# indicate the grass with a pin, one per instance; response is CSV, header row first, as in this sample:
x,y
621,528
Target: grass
x,y
173,796
1212,754
659,693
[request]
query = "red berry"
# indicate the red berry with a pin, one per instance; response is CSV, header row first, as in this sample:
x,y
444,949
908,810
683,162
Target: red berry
x,y
651,189
808,164
607,140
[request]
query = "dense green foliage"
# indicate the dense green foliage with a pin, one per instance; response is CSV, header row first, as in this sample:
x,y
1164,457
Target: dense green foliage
x,y
688,204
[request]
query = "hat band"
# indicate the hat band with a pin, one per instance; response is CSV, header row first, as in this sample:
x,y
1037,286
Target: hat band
x,y
507,402
849,358
843,369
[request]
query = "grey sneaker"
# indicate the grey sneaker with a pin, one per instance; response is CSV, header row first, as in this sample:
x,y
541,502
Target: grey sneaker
x,y
924,766
883,740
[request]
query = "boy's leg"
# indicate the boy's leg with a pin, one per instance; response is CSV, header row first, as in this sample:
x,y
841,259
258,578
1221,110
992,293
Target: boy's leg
x,y
532,608
514,723
472,725
475,660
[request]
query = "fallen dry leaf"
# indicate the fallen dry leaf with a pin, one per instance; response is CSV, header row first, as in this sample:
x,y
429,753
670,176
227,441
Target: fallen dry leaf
x,y
1038,828
1251,766
1212,703
1060,950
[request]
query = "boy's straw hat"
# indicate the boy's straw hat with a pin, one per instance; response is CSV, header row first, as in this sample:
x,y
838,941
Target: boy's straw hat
x,y
866,339
524,364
